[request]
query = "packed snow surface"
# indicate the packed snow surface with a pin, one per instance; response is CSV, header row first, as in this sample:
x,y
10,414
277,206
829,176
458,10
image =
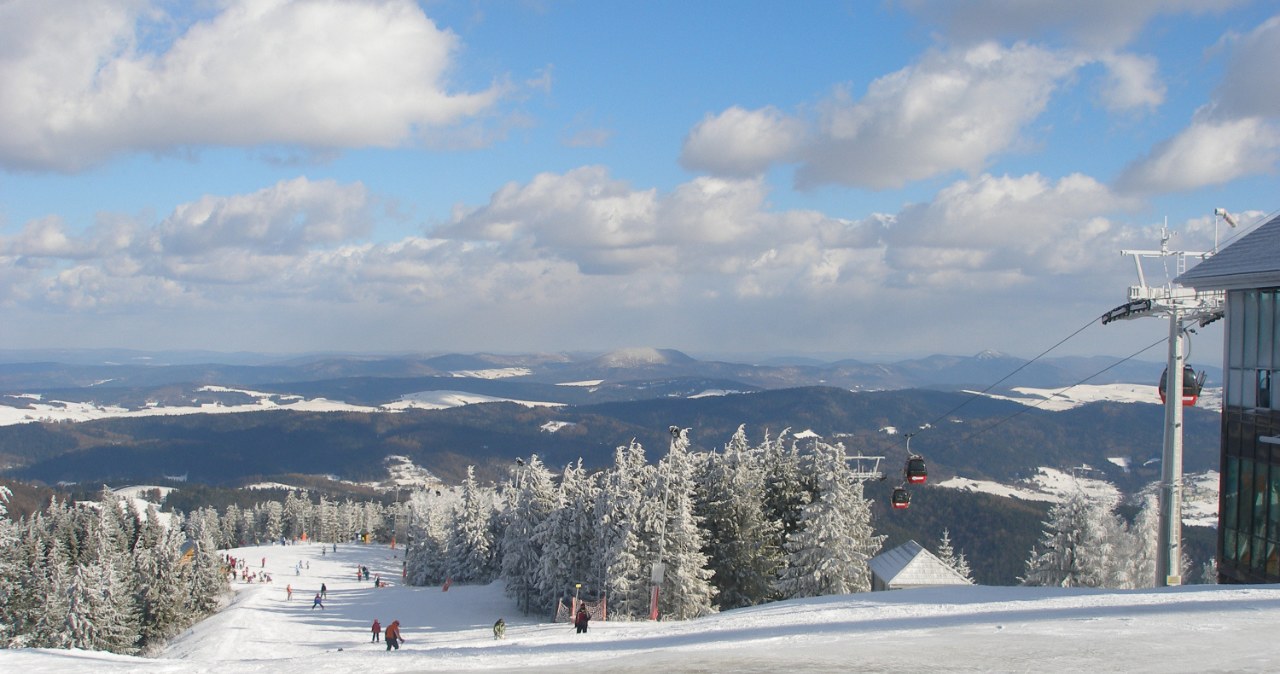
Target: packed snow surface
x,y
1188,629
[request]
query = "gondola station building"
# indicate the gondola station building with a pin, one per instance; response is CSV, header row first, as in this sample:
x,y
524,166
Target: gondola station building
x,y
1248,271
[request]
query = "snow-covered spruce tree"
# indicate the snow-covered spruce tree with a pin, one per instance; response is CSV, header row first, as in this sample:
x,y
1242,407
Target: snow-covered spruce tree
x,y
686,591
568,537
949,556
1139,554
297,516
8,566
101,614
531,497
429,531
206,583
627,529
786,493
472,556
160,587
829,551
1083,545
269,519
34,611
327,521
742,545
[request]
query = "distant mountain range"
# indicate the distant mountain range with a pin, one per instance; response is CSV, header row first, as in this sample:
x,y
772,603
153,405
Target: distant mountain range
x,y
42,371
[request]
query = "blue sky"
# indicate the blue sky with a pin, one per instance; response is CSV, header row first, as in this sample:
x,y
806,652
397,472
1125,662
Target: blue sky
x,y
834,178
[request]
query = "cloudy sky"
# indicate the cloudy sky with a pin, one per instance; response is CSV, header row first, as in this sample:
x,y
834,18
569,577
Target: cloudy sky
x,y
833,177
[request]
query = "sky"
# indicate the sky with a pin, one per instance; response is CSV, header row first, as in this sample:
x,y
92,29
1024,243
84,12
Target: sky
x,y
835,178
1195,628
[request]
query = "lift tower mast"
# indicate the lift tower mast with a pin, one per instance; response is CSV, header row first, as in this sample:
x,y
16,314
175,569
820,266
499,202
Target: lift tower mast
x,y
1183,307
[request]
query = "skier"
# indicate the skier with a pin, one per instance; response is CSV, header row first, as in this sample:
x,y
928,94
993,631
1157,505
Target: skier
x,y
393,635
324,591
377,630
288,591
316,603
582,619
500,629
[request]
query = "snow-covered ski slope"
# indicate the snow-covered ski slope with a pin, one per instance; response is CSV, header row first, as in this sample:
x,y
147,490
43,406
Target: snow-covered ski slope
x,y
1007,629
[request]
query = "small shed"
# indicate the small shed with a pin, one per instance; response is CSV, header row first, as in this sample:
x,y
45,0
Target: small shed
x,y
910,565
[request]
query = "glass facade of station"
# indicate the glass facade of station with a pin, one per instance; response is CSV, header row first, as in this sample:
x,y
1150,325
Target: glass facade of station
x,y
1249,509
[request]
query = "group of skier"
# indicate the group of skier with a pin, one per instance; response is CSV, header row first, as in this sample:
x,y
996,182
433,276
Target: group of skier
x,y
392,634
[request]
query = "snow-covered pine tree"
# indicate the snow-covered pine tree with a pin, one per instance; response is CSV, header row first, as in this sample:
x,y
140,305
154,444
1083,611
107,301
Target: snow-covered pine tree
x,y
742,550
30,612
429,530
269,520
100,611
297,516
785,491
829,551
531,498
568,537
1081,546
471,548
159,586
949,556
1209,572
8,566
1139,555
627,529
686,590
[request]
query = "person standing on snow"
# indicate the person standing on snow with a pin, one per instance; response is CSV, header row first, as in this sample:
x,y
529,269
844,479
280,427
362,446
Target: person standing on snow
x,y
317,602
582,619
393,635
500,629
324,591
377,630
288,591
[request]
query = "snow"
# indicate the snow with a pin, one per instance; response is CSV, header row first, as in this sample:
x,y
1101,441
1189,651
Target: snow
x,y
494,373
438,400
1058,400
1048,484
1188,629
714,393
553,426
35,409
586,382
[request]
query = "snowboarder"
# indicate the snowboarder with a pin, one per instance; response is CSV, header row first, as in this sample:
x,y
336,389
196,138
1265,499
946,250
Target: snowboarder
x,y
582,619
500,629
393,635
324,591
377,630
317,602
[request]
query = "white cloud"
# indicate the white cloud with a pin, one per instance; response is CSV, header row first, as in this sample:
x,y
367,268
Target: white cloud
x,y
578,253
1236,134
1206,153
951,111
1131,82
1101,24
290,216
741,143
1247,88
81,81
1018,227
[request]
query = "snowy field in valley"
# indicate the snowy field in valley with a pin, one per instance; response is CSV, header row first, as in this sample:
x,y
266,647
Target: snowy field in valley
x,y
1189,629
1060,399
